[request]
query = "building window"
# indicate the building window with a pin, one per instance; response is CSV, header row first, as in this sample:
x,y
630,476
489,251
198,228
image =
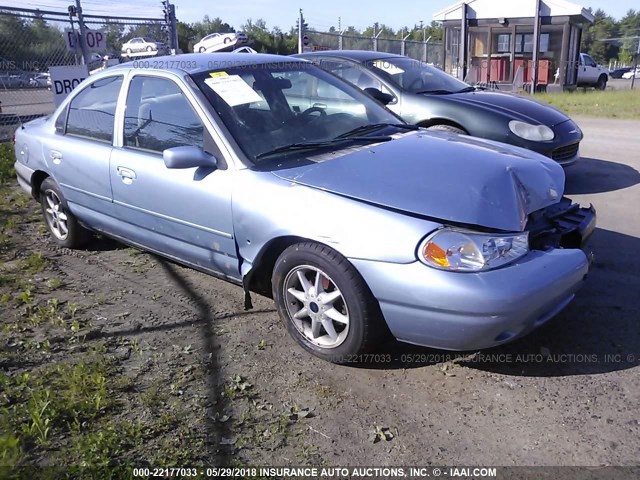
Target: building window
x,y
504,42
524,42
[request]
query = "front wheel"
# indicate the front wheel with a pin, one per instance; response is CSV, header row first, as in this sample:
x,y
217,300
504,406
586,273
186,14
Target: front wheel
x,y
447,128
64,227
202,49
324,303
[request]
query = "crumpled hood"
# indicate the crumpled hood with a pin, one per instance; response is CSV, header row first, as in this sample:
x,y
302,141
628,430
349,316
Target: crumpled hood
x,y
513,106
448,177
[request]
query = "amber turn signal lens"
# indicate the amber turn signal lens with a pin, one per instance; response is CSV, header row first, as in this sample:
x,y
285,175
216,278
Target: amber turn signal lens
x,y
436,254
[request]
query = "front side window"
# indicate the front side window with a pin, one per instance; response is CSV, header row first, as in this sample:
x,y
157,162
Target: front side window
x,y
158,116
92,111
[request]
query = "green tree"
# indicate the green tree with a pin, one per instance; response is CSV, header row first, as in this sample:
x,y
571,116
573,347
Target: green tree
x,y
629,27
594,38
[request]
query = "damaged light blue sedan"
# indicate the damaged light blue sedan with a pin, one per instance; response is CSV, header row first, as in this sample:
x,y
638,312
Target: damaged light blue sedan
x,y
278,176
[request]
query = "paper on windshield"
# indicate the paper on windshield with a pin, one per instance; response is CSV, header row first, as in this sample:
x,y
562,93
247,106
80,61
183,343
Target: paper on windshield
x,y
233,90
390,68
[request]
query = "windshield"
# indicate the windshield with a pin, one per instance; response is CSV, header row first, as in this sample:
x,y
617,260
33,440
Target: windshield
x,y
416,76
270,107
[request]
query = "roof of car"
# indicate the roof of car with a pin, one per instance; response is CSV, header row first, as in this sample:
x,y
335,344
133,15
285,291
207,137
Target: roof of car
x,y
357,55
202,62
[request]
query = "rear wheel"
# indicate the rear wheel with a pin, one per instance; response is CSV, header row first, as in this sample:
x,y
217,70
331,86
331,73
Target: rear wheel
x,y
602,82
65,229
447,128
324,302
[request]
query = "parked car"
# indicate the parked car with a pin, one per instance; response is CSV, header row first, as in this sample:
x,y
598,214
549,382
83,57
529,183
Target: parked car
x,y
40,80
425,95
280,177
143,44
631,73
14,80
590,74
219,41
618,72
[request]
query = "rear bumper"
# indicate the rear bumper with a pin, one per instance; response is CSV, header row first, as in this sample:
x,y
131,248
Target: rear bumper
x,y
469,311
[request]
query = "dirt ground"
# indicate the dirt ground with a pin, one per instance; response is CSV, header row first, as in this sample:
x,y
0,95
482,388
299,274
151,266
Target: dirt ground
x,y
212,384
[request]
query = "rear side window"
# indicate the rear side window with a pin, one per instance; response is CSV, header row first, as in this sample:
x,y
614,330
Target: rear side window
x,y
158,116
92,111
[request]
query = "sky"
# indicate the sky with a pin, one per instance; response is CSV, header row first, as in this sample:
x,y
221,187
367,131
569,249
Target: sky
x,y
320,15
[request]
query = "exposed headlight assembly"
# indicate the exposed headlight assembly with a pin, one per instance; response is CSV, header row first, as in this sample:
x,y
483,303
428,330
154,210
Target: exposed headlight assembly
x,y
535,133
467,251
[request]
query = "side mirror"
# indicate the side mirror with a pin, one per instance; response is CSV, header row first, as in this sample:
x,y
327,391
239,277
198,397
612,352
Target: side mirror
x,y
383,98
188,157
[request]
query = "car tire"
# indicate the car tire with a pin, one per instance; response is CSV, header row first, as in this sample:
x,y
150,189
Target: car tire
x,y
202,49
149,49
352,323
128,51
447,128
63,226
226,40
602,82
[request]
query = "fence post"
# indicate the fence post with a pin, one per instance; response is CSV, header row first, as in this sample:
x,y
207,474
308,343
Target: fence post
x,y
83,30
426,43
340,40
403,47
375,41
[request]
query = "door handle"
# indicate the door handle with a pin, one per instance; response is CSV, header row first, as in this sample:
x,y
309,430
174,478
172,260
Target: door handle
x,y
127,175
56,156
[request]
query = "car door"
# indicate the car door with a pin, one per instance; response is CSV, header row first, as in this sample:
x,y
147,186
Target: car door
x,y
183,213
78,152
589,69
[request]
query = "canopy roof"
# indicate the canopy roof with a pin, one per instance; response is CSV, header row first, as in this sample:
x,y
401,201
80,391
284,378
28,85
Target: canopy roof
x,y
488,9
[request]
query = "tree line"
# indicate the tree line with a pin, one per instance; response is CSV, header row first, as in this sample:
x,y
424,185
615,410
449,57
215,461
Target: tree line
x,y
276,40
607,39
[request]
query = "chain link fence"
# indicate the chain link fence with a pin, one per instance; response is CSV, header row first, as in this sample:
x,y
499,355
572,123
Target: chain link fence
x,y
32,41
430,52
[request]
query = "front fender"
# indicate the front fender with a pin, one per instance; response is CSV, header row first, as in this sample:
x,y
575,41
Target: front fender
x,y
266,208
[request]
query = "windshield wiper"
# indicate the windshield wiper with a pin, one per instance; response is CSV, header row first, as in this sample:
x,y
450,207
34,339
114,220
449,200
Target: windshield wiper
x,y
434,92
470,89
374,126
325,144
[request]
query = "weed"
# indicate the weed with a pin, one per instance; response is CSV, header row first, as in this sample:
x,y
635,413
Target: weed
x,y
7,159
34,263
54,283
25,296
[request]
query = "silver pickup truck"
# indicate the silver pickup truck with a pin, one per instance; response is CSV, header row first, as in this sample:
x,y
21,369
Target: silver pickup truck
x,y
590,74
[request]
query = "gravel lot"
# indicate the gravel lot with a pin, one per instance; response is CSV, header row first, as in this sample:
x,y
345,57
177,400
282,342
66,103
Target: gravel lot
x,y
565,395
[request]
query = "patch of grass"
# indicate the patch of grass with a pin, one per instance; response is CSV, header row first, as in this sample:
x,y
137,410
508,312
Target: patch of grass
x,y
7,159
54,283
57,399
34,263
596,103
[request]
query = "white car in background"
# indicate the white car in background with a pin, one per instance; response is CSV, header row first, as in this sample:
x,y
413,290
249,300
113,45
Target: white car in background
x,y
220,41
631,73
143,44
